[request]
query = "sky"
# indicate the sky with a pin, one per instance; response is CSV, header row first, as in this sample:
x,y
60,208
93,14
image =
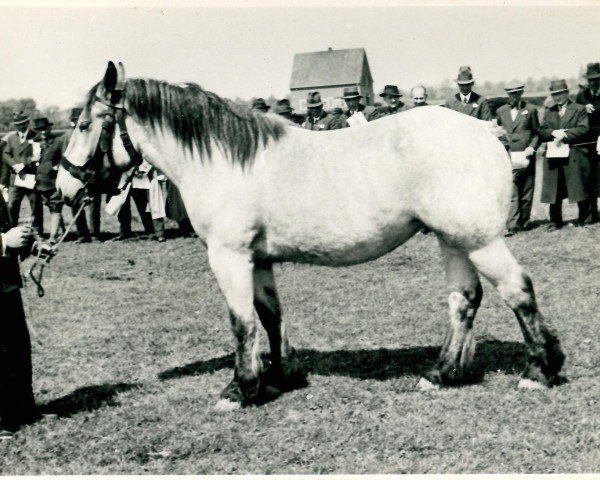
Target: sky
x,y
55,54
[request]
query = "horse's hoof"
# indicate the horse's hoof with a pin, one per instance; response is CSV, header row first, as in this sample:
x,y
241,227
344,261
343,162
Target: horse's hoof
x,y
527,383
226,405
425,385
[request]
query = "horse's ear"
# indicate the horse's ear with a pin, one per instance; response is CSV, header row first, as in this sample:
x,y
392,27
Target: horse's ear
x,y
110,77
120,77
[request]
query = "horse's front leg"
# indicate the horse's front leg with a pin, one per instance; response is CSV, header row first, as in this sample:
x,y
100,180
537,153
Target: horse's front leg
x,y
233,270
284,372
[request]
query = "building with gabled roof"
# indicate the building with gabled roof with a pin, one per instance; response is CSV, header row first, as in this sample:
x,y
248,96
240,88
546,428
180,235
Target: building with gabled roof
x,y
328,72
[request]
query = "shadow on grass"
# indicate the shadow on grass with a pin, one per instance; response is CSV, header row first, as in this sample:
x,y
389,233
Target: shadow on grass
x,y
85,399
380,364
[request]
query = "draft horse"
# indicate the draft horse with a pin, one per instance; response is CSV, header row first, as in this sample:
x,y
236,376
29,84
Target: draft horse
x,y
259,191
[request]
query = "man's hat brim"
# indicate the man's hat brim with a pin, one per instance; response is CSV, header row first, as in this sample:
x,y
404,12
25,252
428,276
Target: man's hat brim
x,y
560,90
464,82
20,122
592,76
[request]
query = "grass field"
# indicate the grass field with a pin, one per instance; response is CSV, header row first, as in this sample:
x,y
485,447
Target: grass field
x,y
131,347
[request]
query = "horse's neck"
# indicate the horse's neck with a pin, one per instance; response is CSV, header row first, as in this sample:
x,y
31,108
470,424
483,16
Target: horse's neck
x,y
162,150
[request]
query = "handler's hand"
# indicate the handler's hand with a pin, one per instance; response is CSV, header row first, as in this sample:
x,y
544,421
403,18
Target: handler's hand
x,y
529,151
559,134
17,237
590,108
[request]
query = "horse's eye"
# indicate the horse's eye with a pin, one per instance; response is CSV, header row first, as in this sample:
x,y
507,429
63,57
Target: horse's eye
x,y
84,125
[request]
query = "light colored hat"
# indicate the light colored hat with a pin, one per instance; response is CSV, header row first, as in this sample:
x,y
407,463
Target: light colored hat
x,y
557,86
514,86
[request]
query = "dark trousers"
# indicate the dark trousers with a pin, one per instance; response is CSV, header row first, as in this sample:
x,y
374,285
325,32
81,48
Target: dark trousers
x,y
140,197
522,198
593,186
561,193
15,197
17,405
90,217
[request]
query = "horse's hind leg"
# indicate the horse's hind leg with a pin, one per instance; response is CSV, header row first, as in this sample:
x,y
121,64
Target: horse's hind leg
x,y
454,365
546,357
234,273
284,371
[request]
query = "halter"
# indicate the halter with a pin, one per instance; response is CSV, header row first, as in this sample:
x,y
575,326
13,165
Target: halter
x,y
87,172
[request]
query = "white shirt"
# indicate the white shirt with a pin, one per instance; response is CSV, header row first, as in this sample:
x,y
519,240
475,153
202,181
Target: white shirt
x,y
465,98
513,113
23,136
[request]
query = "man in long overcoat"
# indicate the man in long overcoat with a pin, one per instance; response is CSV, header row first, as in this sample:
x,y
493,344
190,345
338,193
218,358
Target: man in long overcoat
x,y
565,122
589,97
466,100
521,122
17,405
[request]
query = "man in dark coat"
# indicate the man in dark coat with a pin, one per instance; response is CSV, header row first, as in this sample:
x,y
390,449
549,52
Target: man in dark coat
x,y
565,122
392,103
17,405
521,122
318,119
466,100
589,97
284,109
18,154
45,176
356,112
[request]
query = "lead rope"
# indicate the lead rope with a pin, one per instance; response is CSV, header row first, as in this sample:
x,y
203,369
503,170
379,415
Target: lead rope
x,y
45,253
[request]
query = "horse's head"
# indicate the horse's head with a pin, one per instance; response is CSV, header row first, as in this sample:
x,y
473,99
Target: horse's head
x,y
95,159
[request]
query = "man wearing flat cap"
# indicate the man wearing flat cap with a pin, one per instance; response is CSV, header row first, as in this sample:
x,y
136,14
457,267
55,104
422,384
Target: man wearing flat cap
x,y
18,154
466,100
589,97
521,123
318,119
392,103
356,113
259,105
566,174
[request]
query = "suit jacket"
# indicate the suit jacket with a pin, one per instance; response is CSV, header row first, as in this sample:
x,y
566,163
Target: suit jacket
x,y
585,97
477,106
16,152
10,278
386,110
4,168
523,132
51,153
325,121
368,111
577,166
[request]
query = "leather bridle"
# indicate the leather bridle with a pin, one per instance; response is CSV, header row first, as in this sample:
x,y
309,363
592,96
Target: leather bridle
x,y
88,172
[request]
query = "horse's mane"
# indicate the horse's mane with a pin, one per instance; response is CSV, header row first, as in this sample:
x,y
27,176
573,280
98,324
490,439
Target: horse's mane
x,y
196,117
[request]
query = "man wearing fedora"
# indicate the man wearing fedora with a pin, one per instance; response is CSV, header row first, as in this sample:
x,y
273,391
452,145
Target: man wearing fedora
x,y
521,123
18,154
45,176
259,105
91,214
352,98
466,100
318,119
589,97
283,108
567,123
392,103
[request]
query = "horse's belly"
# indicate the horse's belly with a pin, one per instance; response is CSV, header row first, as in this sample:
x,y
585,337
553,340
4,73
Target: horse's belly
x,y
335,248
